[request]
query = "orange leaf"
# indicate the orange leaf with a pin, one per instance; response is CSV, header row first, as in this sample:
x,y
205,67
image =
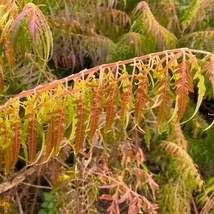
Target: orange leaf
x,y
16,142
32,137
184,85
80,125
59,130
49,137
165,99
106,197
111,107
141,98
95,112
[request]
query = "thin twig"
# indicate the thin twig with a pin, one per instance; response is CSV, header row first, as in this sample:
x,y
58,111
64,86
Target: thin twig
x,y
36,186
35,197
19,178
194,206
18,202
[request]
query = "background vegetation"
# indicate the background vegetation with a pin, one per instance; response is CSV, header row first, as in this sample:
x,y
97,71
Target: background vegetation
x,y
101,140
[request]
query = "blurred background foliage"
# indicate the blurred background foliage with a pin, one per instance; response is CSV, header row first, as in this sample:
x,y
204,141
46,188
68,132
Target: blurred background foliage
x,y
87,33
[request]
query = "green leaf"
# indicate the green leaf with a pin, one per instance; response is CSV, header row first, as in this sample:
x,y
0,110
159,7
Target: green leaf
x,y
201,92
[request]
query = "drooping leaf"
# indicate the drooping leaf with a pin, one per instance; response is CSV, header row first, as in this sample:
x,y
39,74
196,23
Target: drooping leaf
x,y
114,208
38,28
32,137
201,93
165,99
111,107
184,85
9,54
142,97
189,169
95,111
194,13
59,130
7,149
146,24
49,143
126,100
8,159
80,125
16,142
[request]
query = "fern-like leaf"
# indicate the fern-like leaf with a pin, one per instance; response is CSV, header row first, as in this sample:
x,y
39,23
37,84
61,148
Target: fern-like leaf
x,y
166,96
59,130
186,163
16,142
32,137
147,24
142,97
80,125
198,40
111,107
168,16
195,13
183,85
126,100
95,112
49,144
8,157
38,28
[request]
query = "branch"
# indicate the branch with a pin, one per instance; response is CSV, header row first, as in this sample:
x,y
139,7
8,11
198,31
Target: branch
x,y
19,178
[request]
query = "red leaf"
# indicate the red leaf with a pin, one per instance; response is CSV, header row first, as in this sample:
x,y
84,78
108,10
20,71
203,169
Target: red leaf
x,y
16,142
59,130
153,185
108,186
80,125
111,107
32,137
133,208
95,112
114,208
142,97
17,20
124,197
33,24
106,197
184,85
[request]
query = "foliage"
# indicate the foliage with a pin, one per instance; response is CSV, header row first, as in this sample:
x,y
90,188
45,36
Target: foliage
x,y
48,204
87,114
88,33
26,45
109,136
